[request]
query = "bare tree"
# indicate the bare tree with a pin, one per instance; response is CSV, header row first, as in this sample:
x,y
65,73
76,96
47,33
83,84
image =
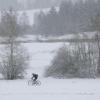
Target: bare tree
x,y
97,37
14,59
14,62
76,60
95,25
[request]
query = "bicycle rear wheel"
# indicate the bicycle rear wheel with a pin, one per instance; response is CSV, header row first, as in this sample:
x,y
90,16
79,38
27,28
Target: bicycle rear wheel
x,y
30,82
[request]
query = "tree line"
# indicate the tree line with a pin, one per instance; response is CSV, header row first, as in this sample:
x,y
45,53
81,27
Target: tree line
x,y
21,24
66,19
78,60
71,18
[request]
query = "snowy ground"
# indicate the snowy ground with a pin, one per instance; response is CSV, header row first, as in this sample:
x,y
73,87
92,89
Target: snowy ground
x,y
41,55
50,89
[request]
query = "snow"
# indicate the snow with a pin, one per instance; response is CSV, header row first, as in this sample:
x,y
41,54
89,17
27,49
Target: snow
x,y
50,89
84,35
41,55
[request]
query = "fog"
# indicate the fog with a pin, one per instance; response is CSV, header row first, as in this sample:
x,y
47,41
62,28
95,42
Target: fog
x,y
30,4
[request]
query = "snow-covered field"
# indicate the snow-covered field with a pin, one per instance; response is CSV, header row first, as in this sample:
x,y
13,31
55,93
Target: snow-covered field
x,y
50,89
41,55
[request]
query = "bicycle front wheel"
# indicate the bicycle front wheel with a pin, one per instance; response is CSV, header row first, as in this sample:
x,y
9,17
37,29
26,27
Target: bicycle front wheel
x,y
38,83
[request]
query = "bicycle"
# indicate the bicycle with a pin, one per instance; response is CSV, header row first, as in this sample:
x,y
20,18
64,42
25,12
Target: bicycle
x,y
35,83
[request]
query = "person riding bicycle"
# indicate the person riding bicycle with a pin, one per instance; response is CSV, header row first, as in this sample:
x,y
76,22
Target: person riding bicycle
x,y
34,77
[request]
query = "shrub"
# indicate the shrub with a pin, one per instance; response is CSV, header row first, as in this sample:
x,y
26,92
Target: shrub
x,y
75,61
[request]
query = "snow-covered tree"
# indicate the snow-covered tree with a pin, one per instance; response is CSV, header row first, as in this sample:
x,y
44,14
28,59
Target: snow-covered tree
x,y
14,58
79,60
14,61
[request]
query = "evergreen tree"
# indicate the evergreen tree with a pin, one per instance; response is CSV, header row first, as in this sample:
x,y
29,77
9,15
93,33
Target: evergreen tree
x,y
24,24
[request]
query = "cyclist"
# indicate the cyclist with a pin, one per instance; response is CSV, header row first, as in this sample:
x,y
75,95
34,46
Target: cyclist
x,y
34,77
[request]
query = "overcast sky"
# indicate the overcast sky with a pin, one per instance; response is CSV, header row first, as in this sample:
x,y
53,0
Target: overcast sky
x,y
25,4
51,0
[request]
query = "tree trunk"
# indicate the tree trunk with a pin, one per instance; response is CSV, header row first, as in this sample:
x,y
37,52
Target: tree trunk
x,y
11,57
99,59
98,44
